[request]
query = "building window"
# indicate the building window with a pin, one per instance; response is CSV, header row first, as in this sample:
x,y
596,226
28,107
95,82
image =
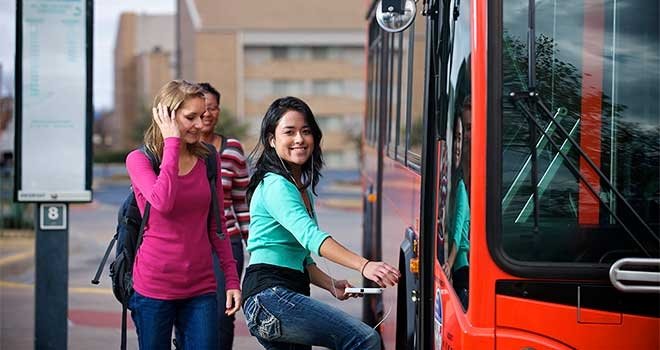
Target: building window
x,y
279,52
320,52
289,53
257,55
258,89
328,87
330,123
284,87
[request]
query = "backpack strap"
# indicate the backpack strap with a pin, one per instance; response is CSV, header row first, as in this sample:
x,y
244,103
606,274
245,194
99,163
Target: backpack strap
x,y
95,280
124,308
145,217
153,159
212,174
155,165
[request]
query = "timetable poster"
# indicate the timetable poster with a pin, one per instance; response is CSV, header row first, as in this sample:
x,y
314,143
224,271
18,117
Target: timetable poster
x,y
54,102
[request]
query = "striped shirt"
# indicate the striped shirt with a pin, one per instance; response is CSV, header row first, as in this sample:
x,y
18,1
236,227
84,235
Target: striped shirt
x,y
235,179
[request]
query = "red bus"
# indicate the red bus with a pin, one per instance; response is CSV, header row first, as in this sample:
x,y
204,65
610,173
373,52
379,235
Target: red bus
x,y
511,169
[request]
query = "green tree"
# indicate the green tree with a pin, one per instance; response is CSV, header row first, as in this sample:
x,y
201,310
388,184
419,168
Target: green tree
x,y
141,123
229,125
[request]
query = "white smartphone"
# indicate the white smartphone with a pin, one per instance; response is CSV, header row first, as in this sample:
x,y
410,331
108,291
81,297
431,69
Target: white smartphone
x,y
360,290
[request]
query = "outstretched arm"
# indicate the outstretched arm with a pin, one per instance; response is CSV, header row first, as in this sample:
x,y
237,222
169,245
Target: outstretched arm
x,y
380,272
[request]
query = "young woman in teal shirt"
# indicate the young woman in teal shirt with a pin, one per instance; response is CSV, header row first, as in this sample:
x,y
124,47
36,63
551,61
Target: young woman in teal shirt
x,y
283,234
457,266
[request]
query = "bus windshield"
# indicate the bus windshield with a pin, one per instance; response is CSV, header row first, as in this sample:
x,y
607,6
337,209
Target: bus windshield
x,y
596,71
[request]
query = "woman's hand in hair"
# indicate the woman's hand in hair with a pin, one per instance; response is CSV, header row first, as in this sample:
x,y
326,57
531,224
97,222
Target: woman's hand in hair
x,y
381,273
166,121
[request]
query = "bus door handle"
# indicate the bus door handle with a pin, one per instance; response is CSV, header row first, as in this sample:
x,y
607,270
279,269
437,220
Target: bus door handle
x,y
643,273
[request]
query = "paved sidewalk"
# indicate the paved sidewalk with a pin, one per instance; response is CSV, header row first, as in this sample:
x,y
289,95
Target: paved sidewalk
x,y
94,316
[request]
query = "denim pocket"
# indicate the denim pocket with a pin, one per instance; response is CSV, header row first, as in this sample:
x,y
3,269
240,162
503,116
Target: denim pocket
x,y
260,321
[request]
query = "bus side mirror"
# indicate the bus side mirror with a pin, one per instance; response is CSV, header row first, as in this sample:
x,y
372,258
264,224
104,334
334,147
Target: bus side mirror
x,y
395,15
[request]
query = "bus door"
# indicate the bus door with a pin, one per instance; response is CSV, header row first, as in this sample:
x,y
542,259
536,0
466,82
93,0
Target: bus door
x,y
372,162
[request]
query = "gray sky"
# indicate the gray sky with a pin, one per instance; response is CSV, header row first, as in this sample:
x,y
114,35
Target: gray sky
x,y
106,17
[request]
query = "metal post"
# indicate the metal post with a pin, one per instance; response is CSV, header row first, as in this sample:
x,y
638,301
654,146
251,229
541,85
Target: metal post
x,y
51,276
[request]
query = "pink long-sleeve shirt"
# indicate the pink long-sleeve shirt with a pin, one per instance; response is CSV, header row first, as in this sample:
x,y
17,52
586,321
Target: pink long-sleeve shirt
x,y
174,260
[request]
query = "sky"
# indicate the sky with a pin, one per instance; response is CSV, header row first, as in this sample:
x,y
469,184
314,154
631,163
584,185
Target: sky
x,y
106,19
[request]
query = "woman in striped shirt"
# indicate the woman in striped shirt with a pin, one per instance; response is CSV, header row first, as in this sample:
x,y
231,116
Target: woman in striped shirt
x,y
235,179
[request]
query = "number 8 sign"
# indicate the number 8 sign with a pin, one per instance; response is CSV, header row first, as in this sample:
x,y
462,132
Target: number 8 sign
x,y
52,216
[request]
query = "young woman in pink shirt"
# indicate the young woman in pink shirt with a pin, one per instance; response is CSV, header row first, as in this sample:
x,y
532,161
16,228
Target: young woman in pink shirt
x,y
173,274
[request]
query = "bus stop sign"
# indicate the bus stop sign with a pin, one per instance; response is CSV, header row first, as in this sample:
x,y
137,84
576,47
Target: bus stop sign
x,y
52,216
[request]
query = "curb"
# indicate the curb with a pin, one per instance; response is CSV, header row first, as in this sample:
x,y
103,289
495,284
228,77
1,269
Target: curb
x,y
343,204
17,233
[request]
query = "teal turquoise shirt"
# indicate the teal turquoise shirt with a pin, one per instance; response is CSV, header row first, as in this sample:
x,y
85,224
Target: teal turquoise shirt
x,y
461,226
282,233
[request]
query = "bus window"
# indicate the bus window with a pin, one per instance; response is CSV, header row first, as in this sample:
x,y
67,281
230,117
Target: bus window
x,y
415,121
596,71
396,41
374,83
407,45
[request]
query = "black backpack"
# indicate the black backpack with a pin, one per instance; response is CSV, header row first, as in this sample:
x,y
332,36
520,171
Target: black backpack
x,y
130,228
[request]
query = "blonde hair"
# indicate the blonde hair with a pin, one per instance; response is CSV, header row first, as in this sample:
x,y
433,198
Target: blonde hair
x,y
172,95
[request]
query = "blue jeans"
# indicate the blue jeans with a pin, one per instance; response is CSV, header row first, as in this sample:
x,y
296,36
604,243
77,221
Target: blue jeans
x,y
194,318
281,319
226,323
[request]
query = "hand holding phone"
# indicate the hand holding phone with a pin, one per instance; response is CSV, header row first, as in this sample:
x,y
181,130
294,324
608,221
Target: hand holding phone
x,y
361,290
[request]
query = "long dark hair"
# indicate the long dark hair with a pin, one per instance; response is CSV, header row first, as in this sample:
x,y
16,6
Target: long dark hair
x,y
267,159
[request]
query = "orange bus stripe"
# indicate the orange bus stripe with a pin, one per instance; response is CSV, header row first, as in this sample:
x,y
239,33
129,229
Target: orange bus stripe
x,y
592,100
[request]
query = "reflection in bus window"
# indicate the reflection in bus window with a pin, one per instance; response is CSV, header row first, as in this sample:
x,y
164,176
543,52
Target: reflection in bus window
x,y
596,71
458,240
455,99
443,190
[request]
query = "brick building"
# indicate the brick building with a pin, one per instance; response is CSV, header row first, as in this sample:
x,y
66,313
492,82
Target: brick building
x,y
255,51
143,62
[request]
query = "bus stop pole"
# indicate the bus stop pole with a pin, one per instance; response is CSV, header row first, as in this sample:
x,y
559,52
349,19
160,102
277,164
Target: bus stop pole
x,y
51,276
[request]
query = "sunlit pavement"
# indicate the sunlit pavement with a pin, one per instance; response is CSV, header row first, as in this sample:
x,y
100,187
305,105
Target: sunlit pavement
x,y
94,316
